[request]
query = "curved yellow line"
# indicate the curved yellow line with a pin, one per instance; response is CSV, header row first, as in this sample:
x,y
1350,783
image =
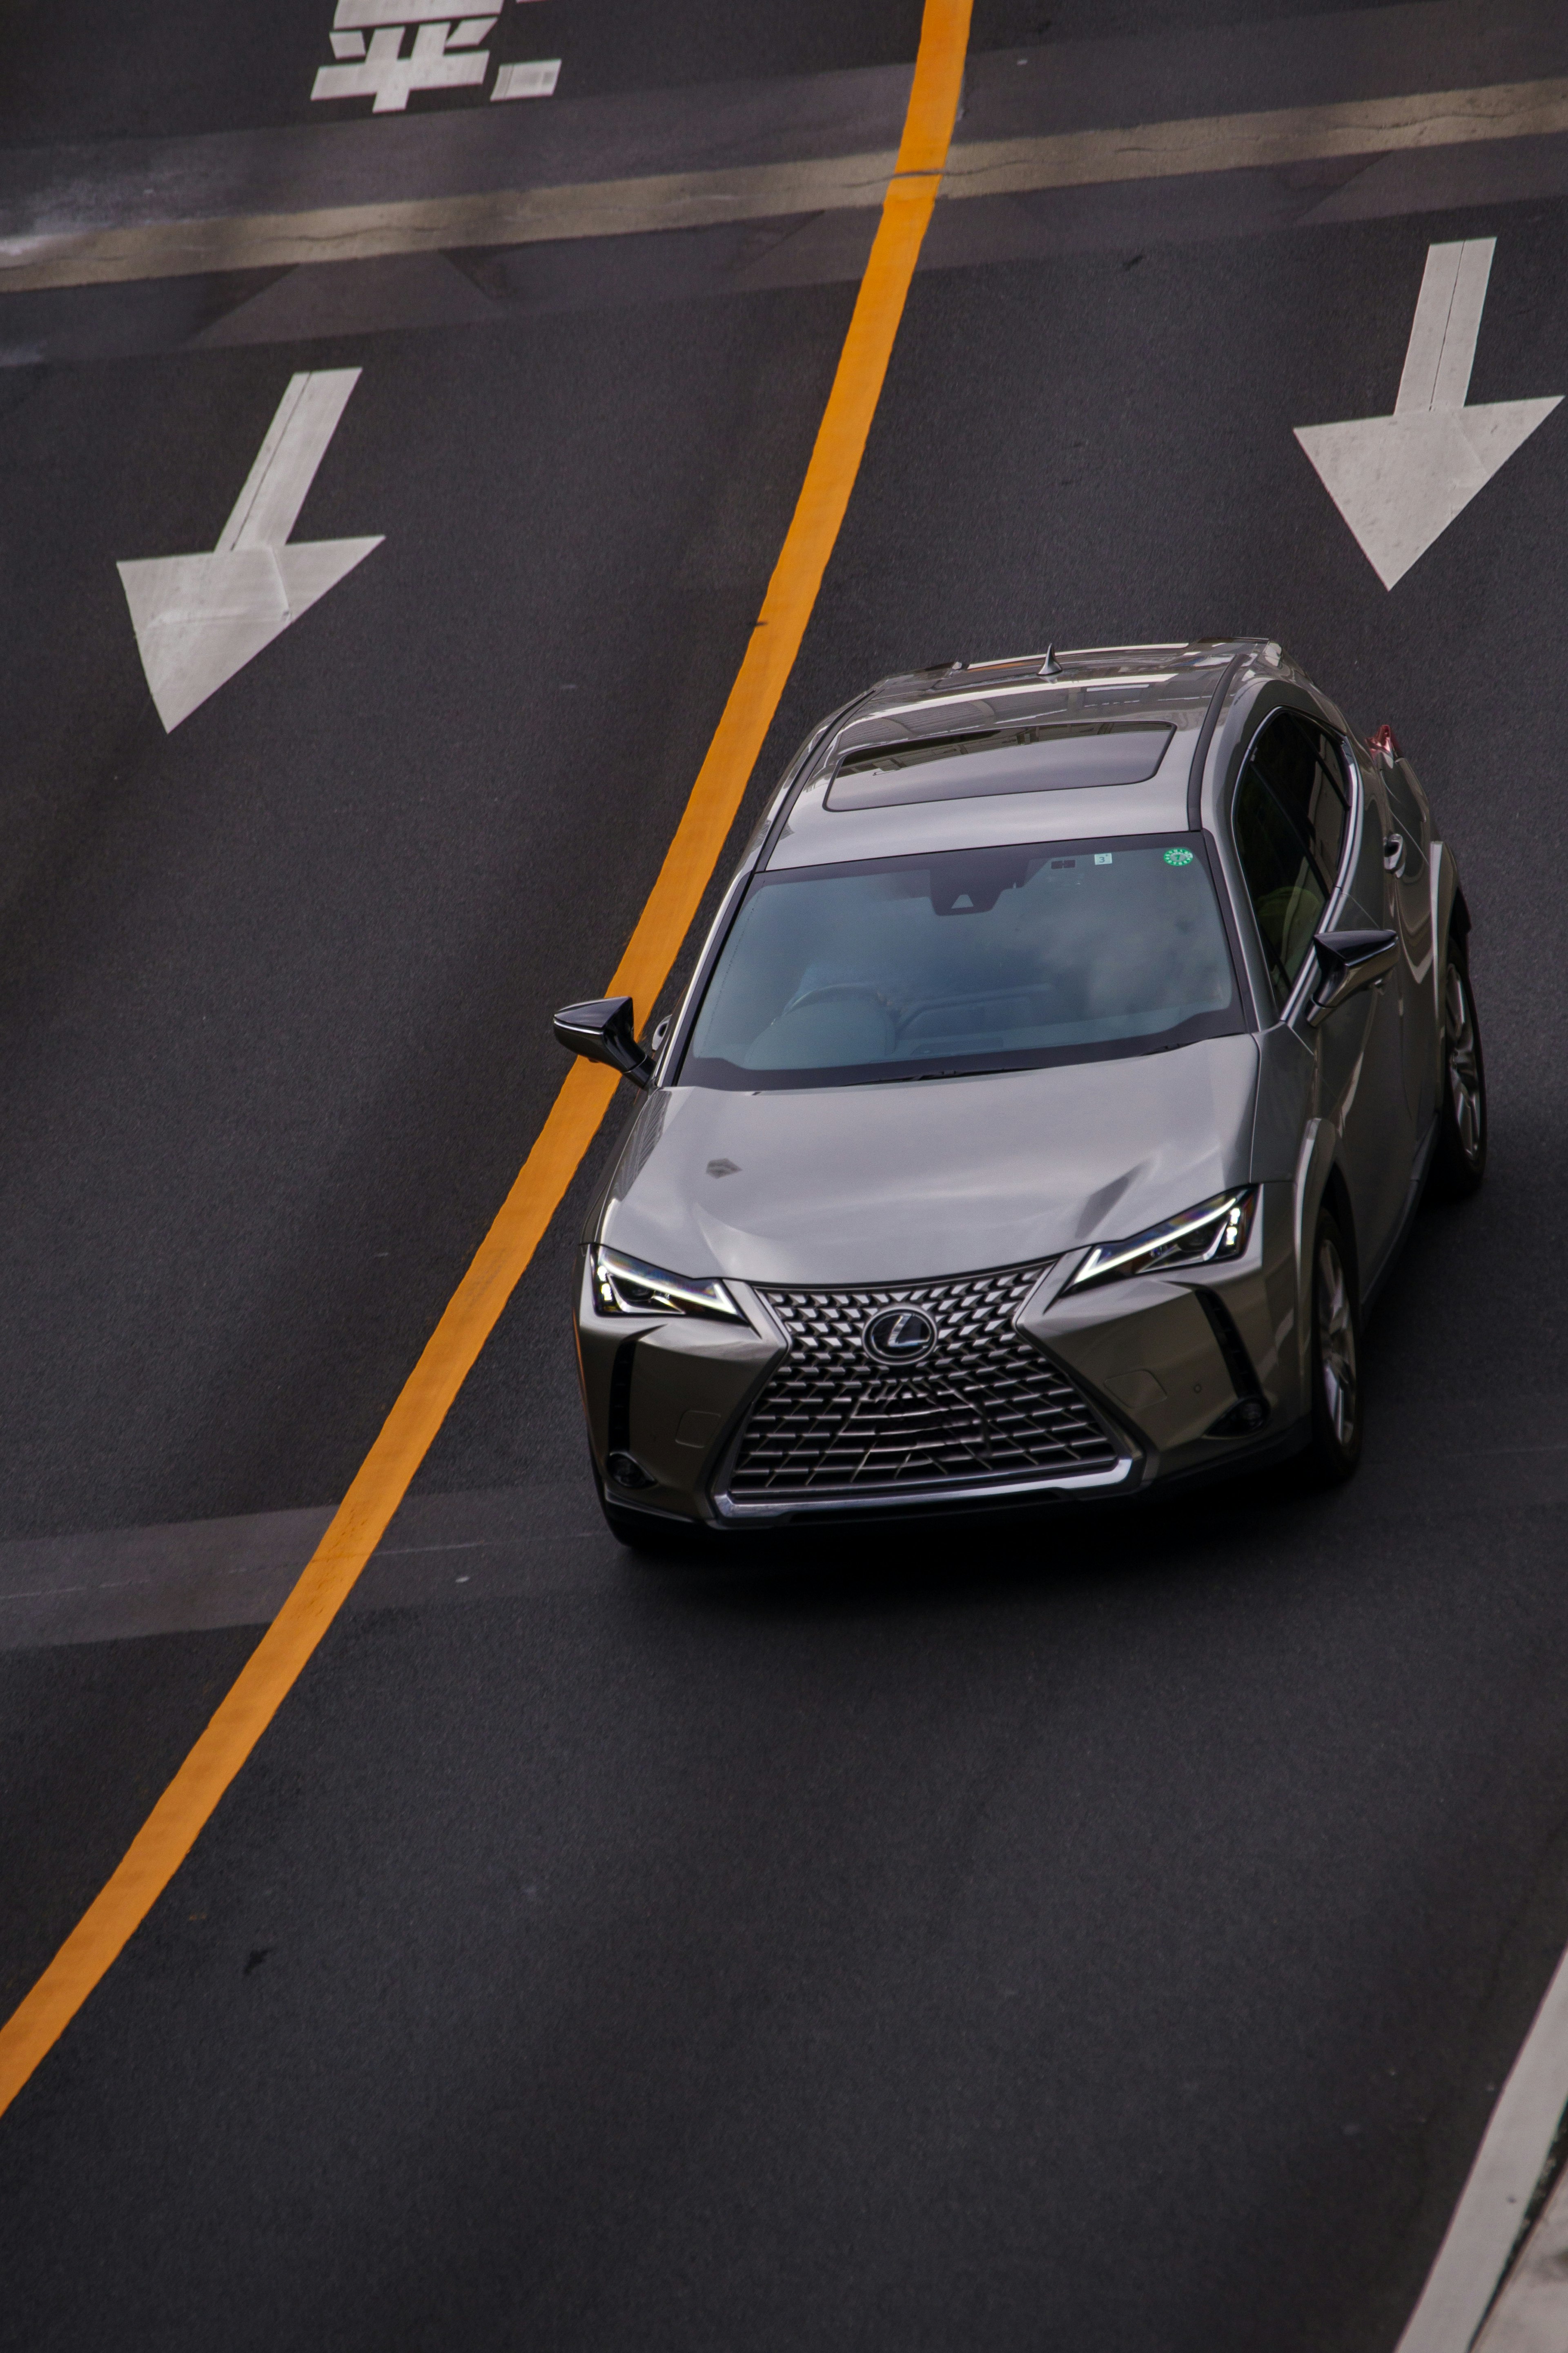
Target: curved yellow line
x,y
188,1804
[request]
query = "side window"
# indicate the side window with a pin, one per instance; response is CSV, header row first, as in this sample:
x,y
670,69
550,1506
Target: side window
x,y
1289,822
1302,771
1287,892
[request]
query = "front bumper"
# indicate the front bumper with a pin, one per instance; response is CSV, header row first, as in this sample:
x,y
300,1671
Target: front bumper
x,y
1178,1374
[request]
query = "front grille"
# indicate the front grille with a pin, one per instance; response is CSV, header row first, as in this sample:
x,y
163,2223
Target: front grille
x,y
985,1404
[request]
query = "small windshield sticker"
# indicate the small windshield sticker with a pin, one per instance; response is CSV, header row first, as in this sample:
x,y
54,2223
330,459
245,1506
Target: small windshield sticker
x,y
1178,857
1103,857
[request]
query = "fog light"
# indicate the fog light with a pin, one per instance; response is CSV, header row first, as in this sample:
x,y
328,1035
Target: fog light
x,y
1247,1415
627,1471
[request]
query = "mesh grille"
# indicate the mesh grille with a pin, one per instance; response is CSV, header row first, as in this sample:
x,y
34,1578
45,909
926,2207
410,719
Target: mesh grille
x,y
985,1404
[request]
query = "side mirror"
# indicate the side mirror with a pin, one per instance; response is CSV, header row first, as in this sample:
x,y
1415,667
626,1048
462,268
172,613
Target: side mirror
x,y
602,1032
1349,961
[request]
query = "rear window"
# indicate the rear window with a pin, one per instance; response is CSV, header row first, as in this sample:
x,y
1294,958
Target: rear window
x,y
967,960
1049,758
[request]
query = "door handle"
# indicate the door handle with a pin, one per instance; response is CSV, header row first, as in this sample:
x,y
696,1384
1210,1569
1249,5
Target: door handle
x,y
1394,853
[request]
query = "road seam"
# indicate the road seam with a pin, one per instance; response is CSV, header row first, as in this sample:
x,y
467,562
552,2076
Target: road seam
x,y
188,1804
1272,140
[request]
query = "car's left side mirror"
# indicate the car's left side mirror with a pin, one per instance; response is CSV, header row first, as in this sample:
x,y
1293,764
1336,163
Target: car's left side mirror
x,y
602,1031
1349,961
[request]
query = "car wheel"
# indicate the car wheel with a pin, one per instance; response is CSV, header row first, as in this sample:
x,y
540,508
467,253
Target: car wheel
x,y
1460,1160
1336,1358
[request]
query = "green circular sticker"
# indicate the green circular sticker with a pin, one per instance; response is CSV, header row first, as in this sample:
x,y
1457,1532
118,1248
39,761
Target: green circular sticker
x,y
1178,857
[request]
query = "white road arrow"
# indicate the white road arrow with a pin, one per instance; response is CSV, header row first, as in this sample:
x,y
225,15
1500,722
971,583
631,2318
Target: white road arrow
x,y
199,618
1400,481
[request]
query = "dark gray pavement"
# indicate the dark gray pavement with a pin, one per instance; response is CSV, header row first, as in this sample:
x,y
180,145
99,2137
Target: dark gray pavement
x,y
91,71
272,989
475,165
1106,1931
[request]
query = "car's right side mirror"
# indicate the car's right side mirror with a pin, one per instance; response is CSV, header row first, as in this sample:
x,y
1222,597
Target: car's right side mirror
x,y
603,1030
1348,961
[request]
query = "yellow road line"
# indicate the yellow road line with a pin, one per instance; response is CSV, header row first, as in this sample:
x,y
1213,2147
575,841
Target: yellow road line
x,y
186,1805
1269,140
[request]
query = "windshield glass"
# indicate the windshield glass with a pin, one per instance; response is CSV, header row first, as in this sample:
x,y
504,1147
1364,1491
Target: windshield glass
x,y
966,960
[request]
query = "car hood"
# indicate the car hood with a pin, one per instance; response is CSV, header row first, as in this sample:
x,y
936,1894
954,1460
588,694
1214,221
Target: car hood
x,y
895,1182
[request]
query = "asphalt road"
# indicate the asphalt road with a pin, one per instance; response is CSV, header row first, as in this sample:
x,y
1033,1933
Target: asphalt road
x,y
1101,1933
95,71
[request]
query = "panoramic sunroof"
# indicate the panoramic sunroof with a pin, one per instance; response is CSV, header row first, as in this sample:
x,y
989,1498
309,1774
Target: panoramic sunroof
x,y
1053,758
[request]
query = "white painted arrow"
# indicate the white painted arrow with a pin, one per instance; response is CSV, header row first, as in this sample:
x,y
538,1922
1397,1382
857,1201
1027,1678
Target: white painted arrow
x,y
199,618
1400,481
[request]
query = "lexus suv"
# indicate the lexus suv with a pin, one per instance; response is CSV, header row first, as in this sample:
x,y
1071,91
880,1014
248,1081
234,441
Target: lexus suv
x,y
1051,1097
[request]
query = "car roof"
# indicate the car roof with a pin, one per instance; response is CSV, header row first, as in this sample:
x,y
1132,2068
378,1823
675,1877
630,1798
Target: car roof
x,y
1081,690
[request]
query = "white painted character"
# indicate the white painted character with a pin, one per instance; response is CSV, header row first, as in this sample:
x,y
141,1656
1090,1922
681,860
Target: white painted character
x,y
446,54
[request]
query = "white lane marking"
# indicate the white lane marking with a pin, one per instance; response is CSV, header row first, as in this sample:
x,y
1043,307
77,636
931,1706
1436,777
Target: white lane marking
x,y
162,1581
389,78
1400,481
1442,348
1495,2197
1531,2314
295,443
535,80
182,240
200,618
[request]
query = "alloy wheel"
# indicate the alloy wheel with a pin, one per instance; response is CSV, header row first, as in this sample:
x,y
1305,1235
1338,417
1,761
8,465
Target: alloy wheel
x,y
1336,1342
1463,1060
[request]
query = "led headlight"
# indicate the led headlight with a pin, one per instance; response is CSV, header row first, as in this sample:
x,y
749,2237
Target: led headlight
x,y
625,1286
1214,1230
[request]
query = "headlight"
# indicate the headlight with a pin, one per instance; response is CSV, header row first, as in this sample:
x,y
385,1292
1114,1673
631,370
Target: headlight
x,y
1216,1229
625,1286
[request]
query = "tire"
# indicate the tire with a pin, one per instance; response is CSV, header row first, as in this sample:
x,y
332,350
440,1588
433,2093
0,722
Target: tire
x,y
1459,1161
1335,1446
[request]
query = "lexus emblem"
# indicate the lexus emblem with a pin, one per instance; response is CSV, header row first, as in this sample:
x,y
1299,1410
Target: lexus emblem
x,y
899,1335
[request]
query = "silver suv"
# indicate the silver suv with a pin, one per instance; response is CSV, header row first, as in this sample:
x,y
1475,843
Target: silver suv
x,y
1052,1096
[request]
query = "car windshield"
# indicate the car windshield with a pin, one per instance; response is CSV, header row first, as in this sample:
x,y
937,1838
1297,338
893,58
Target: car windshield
x,y
965,960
